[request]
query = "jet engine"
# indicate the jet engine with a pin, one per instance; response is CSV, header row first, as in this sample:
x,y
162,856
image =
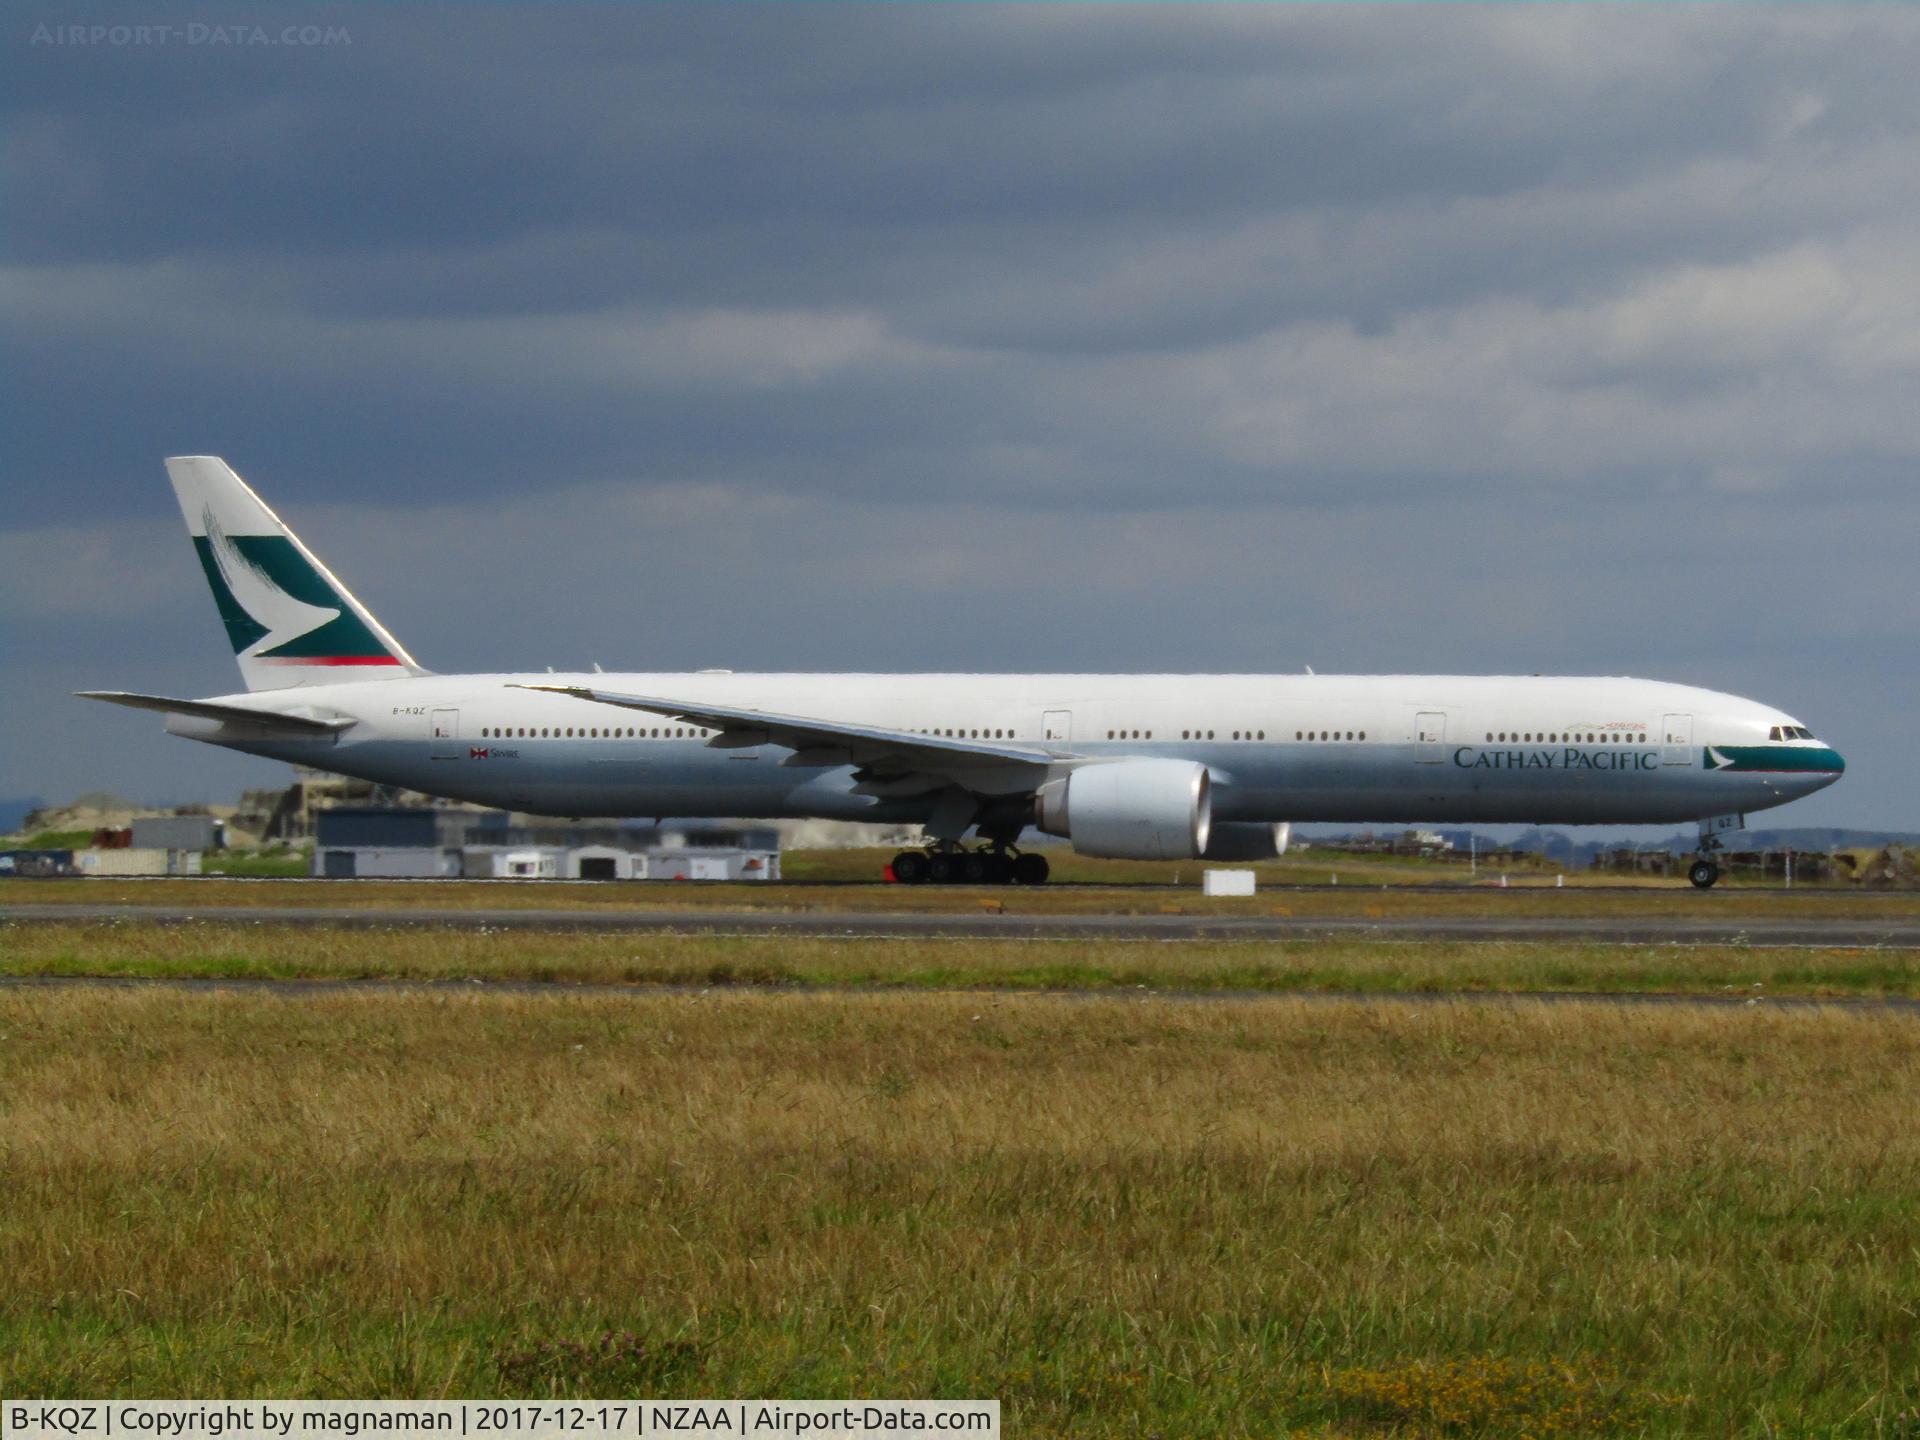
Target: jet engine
x,y
1245,840
1131,809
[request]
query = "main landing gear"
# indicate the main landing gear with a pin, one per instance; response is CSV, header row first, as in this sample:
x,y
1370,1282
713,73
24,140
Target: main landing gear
x,y
950,865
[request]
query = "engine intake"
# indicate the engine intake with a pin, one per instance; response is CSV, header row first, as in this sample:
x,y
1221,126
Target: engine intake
x,y
1131,809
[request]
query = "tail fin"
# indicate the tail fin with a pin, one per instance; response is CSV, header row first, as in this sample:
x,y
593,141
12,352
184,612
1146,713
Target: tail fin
x,y
290,621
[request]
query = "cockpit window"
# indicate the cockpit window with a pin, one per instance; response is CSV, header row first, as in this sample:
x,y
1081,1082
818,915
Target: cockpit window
x,y
1774,734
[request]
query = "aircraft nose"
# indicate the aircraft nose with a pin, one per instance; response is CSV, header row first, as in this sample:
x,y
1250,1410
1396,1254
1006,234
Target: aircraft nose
x,y
1826,767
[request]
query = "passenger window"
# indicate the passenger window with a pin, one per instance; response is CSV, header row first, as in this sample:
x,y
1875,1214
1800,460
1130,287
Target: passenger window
x,y
1261,736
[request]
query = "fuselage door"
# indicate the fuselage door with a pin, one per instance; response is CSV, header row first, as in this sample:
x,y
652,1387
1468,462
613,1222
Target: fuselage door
x,y
1676,737
1057,725
446,734
1429,736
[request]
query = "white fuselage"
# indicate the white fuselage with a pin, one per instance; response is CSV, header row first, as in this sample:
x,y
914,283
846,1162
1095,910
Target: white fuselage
x,y
1377,748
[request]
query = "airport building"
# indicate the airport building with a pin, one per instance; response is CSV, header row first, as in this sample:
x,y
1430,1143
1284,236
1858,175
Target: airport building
x,y
360,842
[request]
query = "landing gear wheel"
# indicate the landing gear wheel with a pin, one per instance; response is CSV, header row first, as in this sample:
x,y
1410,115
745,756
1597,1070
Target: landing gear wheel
x,y
1703,873
910,867
973,868
1030,869
941,869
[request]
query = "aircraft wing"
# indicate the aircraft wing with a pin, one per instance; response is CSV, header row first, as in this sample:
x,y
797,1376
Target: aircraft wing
x,y
998,766
290,725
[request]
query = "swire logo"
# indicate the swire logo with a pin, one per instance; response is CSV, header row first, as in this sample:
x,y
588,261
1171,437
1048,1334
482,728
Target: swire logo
x,y
477,752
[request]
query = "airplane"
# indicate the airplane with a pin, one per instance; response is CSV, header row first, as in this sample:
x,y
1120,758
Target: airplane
x,y
1210,767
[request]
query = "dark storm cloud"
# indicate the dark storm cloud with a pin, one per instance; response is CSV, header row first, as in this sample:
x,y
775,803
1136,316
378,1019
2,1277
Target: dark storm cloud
x,y
1071,336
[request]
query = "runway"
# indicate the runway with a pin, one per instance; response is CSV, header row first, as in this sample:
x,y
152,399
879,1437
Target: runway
x,y
1836,931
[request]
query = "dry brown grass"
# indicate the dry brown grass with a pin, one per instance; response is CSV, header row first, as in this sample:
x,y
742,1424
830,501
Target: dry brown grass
x,y
1117,1215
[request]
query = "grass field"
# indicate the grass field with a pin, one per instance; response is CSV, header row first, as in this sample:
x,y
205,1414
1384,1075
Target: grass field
x,y
1121,1217
216,951
1352,898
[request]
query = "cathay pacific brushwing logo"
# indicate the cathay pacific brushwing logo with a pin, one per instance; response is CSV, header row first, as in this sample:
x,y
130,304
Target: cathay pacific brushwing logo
x,y
283,617
1717,760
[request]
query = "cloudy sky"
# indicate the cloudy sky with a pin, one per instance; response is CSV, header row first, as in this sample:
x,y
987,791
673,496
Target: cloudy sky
x,y
958,336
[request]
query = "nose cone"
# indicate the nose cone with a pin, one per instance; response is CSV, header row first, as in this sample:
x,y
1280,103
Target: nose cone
x,y
1816,770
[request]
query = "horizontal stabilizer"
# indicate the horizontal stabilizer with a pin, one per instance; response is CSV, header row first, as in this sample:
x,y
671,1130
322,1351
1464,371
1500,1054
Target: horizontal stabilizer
x,y
290,725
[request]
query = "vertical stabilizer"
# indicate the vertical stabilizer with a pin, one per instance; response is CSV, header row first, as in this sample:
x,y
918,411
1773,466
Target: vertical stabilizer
x,y
291,622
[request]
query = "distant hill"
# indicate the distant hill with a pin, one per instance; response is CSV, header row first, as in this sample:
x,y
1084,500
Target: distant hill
x,y
1559,845
1576,850
13,813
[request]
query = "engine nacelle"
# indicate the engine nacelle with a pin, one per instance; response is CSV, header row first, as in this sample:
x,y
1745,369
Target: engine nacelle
x,y
1131,809
1245,840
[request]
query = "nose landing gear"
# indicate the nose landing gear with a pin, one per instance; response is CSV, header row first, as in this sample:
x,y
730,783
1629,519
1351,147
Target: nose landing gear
x,y
1705,869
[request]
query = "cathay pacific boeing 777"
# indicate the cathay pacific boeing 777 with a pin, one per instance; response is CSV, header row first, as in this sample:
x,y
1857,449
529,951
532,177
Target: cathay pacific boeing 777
x,y
1128,766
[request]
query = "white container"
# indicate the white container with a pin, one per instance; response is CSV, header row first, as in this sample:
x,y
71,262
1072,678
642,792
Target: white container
x,y
1226,882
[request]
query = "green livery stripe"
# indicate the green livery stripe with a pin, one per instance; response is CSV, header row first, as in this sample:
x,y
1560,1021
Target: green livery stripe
x,y
1772,757
344,638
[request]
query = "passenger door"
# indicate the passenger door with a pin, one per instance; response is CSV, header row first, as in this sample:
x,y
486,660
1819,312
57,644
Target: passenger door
x,y
446,734
1429,736
1057,725
1676,734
